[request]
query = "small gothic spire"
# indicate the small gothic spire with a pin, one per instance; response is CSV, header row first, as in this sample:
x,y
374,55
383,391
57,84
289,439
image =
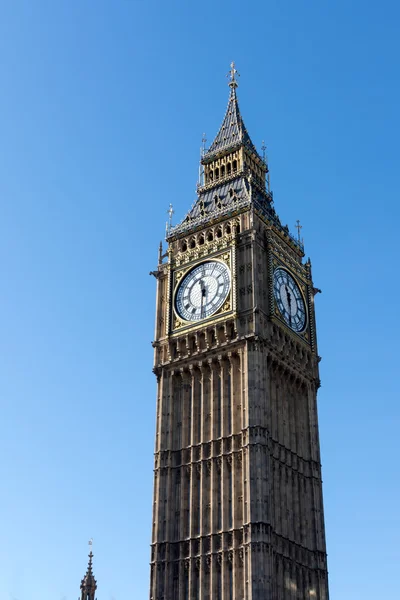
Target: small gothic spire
x,y
233,132
88,583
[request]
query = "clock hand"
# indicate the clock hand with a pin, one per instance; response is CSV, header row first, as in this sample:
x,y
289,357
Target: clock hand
x,y
289,301
203,295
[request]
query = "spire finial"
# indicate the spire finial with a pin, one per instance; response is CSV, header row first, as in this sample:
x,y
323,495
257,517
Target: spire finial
x,y
232,76
168,224
170,212
203,145
299,228
264,148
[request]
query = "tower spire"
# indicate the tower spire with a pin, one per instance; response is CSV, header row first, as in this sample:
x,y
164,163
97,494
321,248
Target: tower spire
x,y
88,583
233,133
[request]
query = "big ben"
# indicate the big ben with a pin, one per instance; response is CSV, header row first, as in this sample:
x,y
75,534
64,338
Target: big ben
x,y
238,508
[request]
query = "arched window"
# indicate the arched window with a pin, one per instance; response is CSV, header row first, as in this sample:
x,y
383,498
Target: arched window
x,y
235,165
229,168
222,170
210,236
192,243
219,232
216,173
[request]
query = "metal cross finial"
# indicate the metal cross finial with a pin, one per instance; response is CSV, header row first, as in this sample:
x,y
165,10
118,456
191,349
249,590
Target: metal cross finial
x,y
170,212
203,144
299,228
232,75
264,149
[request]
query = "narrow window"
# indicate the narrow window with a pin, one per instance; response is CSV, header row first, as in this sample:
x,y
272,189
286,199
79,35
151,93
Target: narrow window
x,y
230,513
235,165
229,404
222,170
178,421
229,168
187,525
230,582
219,504
199,412
189,414
219,584
198,505
177,504
216,173
219,402
186,586
175,589
196,585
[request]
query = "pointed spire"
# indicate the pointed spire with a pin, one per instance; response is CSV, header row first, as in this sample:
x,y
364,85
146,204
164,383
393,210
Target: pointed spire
x,y
233,132
88,583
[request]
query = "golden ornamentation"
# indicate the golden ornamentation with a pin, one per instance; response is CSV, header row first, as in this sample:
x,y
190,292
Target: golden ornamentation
x,y
226,307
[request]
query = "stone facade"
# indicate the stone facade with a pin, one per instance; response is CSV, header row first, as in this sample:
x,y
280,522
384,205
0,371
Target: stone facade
x,y
238,511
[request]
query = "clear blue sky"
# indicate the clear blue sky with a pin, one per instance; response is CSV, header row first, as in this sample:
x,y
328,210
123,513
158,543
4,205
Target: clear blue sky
x,y
102,109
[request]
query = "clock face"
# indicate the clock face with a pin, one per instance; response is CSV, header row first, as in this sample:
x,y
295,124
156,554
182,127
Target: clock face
x,y
289,300
203,291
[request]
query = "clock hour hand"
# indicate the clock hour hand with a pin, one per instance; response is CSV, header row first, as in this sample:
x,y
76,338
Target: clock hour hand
x,y
289,301
203,295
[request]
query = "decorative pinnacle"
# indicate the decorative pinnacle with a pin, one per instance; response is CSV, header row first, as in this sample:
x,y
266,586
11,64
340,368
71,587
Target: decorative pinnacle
x,y
203,144
233,84
170,212
90,543
299,228
264,149
88,583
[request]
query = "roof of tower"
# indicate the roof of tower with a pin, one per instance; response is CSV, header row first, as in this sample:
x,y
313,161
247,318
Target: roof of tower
x,y
227,198
88,583
232,132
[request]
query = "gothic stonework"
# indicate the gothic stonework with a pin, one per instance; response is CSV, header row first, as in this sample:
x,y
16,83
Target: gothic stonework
x,y
238,511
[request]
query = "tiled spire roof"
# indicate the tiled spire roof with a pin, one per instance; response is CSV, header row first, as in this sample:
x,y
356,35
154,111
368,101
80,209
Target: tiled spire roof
x,y
232,132
88,583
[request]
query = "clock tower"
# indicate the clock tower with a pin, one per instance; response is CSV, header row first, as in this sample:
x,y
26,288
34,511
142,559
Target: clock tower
x,y
238,510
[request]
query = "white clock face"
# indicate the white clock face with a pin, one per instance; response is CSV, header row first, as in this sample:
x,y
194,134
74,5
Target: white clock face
x,y
289,300
203,291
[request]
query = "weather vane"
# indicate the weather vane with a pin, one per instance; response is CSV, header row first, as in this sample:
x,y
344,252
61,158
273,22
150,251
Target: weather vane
x,y
299,228
232,75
